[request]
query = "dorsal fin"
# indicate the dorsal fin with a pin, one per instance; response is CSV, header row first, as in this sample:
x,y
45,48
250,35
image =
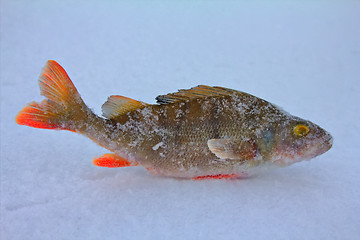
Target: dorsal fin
x,y
118,105
200,91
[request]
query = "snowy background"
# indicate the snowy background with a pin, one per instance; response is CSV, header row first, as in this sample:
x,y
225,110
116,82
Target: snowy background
x,y
301,55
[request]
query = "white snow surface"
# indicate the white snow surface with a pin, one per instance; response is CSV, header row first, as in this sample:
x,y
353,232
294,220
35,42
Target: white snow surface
x,y
301,55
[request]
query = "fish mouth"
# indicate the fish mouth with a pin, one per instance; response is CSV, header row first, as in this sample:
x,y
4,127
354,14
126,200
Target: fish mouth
x,y
326,145
314,150
319,148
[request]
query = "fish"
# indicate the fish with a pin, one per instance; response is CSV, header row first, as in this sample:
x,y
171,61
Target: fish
x,y
199,133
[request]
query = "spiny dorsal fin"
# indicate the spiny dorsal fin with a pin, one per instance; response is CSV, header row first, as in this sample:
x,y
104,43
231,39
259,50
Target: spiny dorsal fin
x,y
200,91
118,105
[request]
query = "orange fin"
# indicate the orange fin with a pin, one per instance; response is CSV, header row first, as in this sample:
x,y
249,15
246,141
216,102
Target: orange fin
x,y
112,160
34,115
62,105
56,85
40,116
118,105
219,176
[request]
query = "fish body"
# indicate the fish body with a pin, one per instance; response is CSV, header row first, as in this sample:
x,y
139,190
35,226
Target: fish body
x,y
203,132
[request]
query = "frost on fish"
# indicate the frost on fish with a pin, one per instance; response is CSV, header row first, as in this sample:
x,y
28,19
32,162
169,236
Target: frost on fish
x,y
196,133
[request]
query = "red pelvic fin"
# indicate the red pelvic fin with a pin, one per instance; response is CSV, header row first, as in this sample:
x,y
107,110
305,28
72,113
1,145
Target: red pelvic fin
x,y
112,160
218,176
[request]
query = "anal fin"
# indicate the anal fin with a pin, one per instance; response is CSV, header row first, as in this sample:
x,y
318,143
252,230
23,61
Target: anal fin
x,y
112,160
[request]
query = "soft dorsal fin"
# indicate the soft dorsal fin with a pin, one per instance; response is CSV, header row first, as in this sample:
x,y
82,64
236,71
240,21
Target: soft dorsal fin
x,y
118,105
200,91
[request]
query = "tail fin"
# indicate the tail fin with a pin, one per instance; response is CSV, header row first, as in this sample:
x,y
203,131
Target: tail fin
x,y
63,107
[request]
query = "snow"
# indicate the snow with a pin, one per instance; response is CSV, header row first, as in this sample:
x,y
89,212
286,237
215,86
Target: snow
x,y
301,55
156,146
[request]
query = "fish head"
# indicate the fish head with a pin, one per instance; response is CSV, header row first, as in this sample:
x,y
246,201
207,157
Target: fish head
x,y
297,140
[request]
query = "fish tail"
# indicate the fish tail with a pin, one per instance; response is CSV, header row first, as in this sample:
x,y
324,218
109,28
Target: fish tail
x,y
63,108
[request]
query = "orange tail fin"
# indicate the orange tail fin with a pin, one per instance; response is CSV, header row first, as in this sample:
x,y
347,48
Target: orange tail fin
x,y
63,106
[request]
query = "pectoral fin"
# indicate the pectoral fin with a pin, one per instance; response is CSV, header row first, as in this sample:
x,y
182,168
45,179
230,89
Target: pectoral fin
x,y
233,148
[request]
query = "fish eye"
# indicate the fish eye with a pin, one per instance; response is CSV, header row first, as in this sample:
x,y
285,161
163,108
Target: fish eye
x,y
301,130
